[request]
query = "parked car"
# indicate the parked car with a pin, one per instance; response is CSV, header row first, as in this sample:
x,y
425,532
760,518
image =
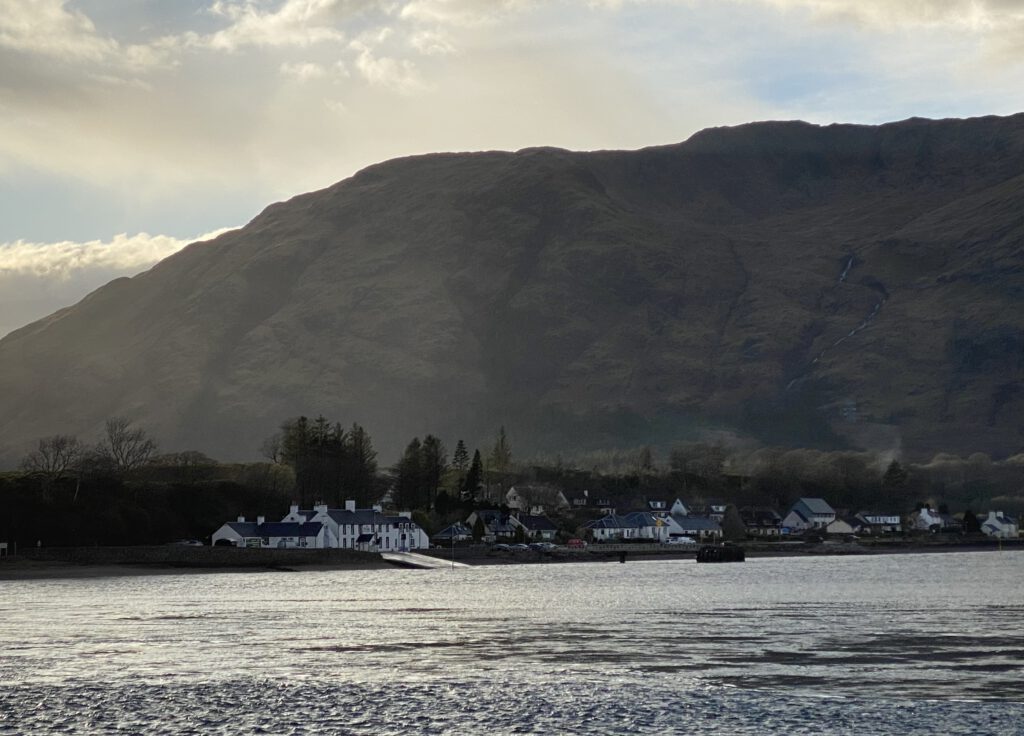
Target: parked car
x,y
576,544
519,547
188,543
542,546
681,540
500,547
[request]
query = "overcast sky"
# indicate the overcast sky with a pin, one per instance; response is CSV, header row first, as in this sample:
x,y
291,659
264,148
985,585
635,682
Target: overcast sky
x,y
128,129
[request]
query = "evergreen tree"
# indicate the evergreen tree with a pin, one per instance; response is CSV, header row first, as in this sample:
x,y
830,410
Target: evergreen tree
x,y
894,483
971,523
471,486
359,466
479,530
434,464
733,527
460,461
409,485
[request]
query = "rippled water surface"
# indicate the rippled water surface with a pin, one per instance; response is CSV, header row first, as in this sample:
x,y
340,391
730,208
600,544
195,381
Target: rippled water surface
x,y
922,644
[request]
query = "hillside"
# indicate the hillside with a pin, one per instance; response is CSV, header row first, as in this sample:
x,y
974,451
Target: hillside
x,y
826,286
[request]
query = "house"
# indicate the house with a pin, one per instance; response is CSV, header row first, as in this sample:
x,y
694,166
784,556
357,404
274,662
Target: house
x,y
536,499
927,520
274,534
809,513
761,522
635,526
844,525
1000,526
369,530
536,527
663,505
497,525
880,522
701,528
457,532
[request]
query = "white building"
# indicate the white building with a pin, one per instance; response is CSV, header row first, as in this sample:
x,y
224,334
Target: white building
x,y
274,534
881,522
999,526
809,513
369,530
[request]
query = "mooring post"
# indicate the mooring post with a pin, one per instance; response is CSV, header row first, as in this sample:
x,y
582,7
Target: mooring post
x,y
622,557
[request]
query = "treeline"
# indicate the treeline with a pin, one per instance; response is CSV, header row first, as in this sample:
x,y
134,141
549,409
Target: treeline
x,y
120,490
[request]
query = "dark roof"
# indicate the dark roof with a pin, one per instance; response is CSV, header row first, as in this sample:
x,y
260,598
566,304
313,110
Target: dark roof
x,y
612,521
696,523
816,505
362,538
453,530
276,528
537,523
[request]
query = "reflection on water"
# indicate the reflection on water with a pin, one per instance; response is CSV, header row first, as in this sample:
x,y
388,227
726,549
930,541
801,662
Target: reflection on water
x,y
912,643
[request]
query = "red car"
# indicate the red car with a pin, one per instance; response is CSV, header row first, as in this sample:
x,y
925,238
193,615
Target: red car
x,y
576,544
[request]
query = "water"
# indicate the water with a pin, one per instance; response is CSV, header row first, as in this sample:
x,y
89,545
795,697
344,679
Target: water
x,y
917,644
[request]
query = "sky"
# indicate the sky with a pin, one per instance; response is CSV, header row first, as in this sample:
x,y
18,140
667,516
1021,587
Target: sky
x,y
130,129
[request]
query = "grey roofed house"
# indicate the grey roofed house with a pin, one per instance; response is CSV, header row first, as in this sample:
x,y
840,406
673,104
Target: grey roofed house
x,y
815,506
612,521
457,531
536,523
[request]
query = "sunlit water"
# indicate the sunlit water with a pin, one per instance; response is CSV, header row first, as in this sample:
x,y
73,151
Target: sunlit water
x,y
917,644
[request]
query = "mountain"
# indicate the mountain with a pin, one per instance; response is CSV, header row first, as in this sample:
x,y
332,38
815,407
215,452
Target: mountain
x,y
840,286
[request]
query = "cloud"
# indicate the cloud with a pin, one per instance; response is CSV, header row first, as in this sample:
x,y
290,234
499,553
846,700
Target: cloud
x,y
48,28
122,253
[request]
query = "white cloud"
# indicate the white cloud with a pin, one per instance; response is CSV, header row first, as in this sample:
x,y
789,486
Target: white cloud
x,y
303,71
123,253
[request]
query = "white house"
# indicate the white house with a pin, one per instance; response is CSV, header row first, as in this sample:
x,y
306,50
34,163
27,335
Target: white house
x,y
370,530
664,506
638,525
497,525
927,519
274,534
809,513
999,526
536,527
701,528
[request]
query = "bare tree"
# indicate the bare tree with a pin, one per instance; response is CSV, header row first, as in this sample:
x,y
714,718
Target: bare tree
x,y
271,448
53,457
125,447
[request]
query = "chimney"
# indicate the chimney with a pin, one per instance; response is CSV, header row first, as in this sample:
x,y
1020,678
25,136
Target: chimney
x,y
260,520
320,508
350,505
241,519
378,508
293,509
405,514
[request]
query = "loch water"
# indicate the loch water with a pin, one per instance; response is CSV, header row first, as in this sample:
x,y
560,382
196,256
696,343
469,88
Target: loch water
x,y
910,644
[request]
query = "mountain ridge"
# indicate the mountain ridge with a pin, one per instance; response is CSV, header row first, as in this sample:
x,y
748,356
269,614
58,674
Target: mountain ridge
x,y
581,299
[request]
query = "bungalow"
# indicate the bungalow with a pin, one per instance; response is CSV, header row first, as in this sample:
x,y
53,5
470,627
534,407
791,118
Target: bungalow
x,y
880,522
999,526
809,513
535,527
497,525
638,525
761,522
701,528
274,534
457,532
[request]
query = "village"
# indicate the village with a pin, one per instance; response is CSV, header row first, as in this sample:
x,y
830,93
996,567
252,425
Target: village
x,y
544,517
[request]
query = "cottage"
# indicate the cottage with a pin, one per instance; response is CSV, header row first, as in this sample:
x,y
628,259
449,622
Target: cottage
x,y
536,499
880,522
761,522
809,513
701,528
457,532
536,527
927,520
274,534
498,526
999,526
615,528
843,525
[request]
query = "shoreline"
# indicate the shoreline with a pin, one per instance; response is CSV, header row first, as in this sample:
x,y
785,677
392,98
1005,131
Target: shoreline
x,y
99,562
